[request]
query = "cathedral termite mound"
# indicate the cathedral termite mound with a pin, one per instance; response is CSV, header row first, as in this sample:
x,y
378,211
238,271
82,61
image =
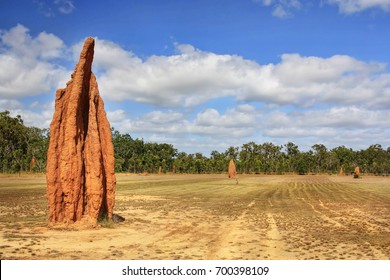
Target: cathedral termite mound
x,y
80,160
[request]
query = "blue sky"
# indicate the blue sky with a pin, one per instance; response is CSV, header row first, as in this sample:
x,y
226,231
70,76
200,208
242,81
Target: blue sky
x,y
205,75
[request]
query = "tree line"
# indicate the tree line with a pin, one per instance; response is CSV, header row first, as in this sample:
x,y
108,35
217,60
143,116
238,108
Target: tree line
x,y
23,149
19,144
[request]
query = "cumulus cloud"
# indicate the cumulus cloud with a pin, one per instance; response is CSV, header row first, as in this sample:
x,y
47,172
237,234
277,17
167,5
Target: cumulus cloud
x,y
236,122
10,104
37,115
233,118
355,6
337,118
191,77
287,8
337,80
331,100
281,8
211,129
292,91
27,63
207,130
280,12
116,116
45,46
351,126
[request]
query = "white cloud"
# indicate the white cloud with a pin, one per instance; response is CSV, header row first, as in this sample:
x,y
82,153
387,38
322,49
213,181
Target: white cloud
x,y
355,6
65,6
208,130
332,100
49,7
352,126
166,122
108,56
286,8
19,42
235,122
280,12
211,130
192,77
336,80
265,2
37,115
352,117
27,66
233,118
116,116
355,91
10,104
281,8
44,8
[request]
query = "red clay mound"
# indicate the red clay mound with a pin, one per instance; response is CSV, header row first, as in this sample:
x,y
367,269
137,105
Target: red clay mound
x,y
80,159
232,173
357,170
32,164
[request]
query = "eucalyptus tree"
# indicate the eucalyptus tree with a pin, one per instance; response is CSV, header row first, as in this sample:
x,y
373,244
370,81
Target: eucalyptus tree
x,y
320,158
292,156
19,144
248,157
270,155
375,160
218,162
346,157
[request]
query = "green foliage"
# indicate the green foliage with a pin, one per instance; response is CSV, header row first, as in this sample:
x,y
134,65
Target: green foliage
x,y
136,156
18,143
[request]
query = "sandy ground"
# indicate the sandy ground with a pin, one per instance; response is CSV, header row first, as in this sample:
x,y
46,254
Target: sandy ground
x,y
210,217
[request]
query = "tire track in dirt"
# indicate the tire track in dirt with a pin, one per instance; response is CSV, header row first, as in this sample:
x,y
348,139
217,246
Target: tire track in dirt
x,y
353,218
323,216
359,217
276,248
317,196
274,241
229,238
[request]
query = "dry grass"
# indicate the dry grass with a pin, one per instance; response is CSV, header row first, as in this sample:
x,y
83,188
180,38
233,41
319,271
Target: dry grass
x,y
209,217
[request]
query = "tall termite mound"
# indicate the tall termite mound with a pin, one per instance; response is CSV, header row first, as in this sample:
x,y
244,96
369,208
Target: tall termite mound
x,y
80,159
232,173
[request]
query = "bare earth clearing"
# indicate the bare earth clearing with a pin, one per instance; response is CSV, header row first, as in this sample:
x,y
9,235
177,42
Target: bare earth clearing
x,y
209,217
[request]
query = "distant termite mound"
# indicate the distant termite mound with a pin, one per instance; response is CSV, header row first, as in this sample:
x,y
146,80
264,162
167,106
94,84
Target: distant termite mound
x,y
357,170
32,164
342,171
356,173
80,159
232,173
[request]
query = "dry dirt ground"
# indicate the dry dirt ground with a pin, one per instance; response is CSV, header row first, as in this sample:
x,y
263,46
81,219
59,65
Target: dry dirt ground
x,y
209,217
